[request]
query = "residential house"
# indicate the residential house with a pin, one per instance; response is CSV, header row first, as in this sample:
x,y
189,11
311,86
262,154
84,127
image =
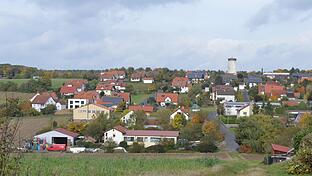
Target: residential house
x,y
181,83
124,95
82,99
90,112
253,81
128,119
165,99
42,100
73,87
197,76
137,76
148,80
181,111
237,109
107,89
152,123
277,75
58,136
228,78
222,93
146,137
112,75
119,85
148,109
272,89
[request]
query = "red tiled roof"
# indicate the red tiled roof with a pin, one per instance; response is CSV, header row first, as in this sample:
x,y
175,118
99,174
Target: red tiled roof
x,y
64,131
89,95
104,87
180,82
124,95
148,78
121,128
66,89
145,108
42,98
76,83
160,97
112,74
280,148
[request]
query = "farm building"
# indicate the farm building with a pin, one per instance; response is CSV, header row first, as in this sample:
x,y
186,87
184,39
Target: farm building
x,y
58,136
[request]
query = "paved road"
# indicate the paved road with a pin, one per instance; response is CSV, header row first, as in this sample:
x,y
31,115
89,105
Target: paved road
x,y
229,137
245,95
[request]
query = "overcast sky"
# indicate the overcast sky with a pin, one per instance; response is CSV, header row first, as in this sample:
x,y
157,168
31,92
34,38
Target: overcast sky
x,y
182,34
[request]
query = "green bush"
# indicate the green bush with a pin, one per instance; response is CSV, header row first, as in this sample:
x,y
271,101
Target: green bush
x,y
299,136
156,149
302,163
136,148
124,144
87,144
50,109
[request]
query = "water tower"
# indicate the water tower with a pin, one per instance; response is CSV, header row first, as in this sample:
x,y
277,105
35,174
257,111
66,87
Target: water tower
x,y
232,65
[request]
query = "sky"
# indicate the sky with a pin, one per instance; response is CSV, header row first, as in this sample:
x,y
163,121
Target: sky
x,y
178,34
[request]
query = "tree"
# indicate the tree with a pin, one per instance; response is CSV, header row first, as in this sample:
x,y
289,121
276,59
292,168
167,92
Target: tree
x,y
178,121
197,118
98,126
212,130
10,157
268,109
258,132
121,106
140,118
191,132
207,144
305,121
255,109
50,109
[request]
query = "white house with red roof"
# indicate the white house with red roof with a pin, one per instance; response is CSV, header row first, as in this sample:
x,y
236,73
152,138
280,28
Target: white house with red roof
x,y
73,87
181,83
148,80
146,137
107,89
181,111
42,100
58,136
165,99
113,75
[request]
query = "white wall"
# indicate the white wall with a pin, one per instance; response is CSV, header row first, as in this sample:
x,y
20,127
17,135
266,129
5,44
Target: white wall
x,y
49,135
114,135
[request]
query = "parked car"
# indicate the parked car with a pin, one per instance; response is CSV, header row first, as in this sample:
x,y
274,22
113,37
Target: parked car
x,y
57,147
77,149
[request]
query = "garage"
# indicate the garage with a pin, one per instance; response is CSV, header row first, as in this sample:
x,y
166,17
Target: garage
x,y
58,136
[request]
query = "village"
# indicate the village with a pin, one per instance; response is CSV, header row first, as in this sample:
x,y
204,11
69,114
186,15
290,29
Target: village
x,y
199,111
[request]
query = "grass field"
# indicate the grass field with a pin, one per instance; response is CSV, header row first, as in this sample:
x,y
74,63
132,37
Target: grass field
x,y
56,83
29,126
21,96
146,164
138,98
140,88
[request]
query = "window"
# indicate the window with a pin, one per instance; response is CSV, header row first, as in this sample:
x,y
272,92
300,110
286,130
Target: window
x,y
71,102
71,106
153,139
145,139
76,101
114,135
131,139
139,139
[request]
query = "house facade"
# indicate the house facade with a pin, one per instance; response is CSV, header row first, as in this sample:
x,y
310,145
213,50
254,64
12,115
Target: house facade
x,y
181,83
107,89
237,109
223,93
165,99
82,99
42,100
146,137
89,112
180,111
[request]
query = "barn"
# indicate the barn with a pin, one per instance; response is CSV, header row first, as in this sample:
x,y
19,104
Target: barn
x,y
58,136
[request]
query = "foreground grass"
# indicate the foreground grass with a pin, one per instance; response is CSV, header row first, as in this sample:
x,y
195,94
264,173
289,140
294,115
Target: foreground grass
x,y
69,164
146,164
